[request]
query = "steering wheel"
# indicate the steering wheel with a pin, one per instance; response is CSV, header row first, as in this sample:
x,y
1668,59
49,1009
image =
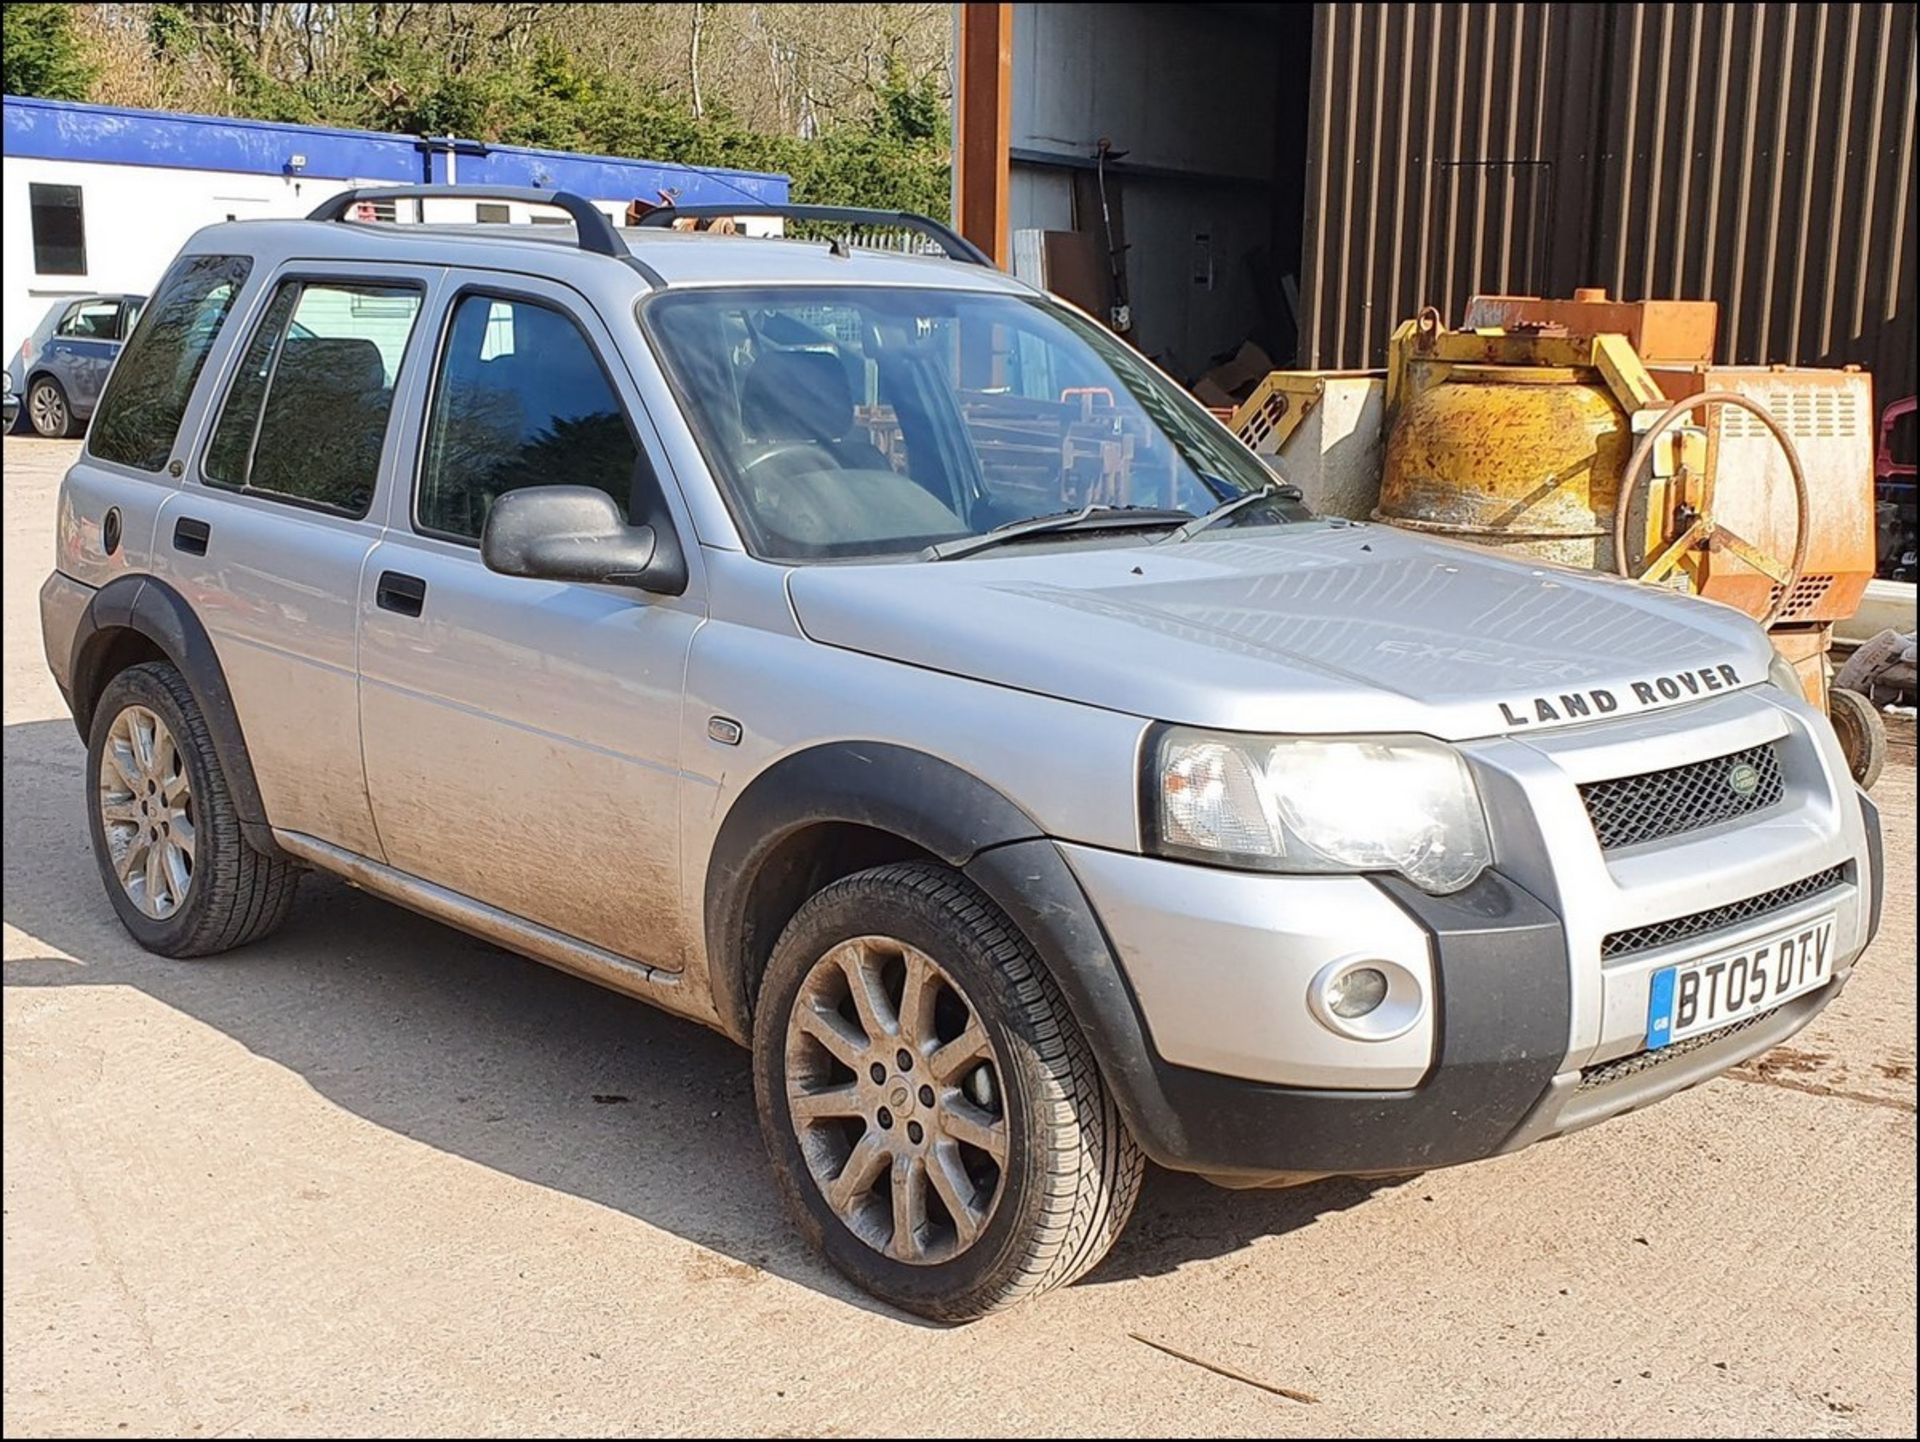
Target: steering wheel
x,y
792,448
1699,531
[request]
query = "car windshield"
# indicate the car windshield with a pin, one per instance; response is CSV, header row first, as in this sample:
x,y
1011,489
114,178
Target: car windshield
x,y
850,422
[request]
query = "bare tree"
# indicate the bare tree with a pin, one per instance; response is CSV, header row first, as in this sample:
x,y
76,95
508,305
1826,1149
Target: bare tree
x,y
782,68
693,56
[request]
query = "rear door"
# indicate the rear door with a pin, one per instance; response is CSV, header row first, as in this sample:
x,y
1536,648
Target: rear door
x,y
268,534
82,349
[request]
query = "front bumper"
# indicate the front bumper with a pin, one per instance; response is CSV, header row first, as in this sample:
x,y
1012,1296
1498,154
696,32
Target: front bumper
x,y
1199,1015
1499,980
1499,1078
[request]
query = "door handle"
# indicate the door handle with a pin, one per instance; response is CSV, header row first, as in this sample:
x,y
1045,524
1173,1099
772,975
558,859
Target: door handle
x,y
400,592
191,536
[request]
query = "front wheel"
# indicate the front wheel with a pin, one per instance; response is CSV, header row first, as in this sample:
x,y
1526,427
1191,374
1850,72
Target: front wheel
x,y
934,1117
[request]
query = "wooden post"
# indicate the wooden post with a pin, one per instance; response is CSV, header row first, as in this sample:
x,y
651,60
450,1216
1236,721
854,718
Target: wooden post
x,y
985,129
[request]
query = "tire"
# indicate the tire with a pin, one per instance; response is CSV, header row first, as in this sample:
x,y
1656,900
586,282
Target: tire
x,y
1862,732
48,411
1069,1172
208,892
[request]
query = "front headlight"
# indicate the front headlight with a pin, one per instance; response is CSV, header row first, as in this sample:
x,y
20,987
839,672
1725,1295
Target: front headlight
x,y
1365,803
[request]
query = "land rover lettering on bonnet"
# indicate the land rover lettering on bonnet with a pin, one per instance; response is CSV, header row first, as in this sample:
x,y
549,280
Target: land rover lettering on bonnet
x,y
872,658
1605,700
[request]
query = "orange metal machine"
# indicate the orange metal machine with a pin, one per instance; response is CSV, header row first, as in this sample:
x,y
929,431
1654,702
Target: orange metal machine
x,y
1750,485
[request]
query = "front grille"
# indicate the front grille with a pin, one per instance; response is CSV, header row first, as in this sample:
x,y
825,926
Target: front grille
x,y
1623,1067
1679,928
1631,809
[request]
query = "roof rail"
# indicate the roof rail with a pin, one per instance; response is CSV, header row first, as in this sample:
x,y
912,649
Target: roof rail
x,y
957,247
596,232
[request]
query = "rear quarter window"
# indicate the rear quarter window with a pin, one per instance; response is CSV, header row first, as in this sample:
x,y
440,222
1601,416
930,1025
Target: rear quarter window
x,y
139,417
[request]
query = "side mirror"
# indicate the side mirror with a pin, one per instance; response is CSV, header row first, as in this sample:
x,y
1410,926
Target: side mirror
x,y
576,533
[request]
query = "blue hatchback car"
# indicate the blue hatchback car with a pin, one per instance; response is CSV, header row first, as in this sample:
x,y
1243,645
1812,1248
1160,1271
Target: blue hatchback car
x,y
62,366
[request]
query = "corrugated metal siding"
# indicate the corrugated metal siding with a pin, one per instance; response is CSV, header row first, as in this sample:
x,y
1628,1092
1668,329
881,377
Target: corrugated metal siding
x,y
1444,146
1757,155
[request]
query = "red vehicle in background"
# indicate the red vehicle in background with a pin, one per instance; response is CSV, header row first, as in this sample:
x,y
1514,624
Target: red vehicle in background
x,y
1894,486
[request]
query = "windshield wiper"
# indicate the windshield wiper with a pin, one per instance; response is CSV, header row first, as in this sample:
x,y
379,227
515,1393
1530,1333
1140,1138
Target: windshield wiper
x,y
1089,517
1272,491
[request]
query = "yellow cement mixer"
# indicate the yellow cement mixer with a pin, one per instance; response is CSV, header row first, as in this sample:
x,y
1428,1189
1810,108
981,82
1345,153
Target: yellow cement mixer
x,y
1517,439
1601,434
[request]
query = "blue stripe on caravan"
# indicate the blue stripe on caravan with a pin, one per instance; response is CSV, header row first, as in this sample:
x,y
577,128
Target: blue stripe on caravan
x,y
114,135
609,176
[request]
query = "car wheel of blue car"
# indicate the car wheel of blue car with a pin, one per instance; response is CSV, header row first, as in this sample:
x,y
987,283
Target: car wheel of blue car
x,y
48,411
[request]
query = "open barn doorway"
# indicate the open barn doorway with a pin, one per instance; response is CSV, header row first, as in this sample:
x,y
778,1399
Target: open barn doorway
x,y
1157,170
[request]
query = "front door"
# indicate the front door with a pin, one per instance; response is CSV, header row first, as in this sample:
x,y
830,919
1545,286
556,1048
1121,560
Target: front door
x,y
522,736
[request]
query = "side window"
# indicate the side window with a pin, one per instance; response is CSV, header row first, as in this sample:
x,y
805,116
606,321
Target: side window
x,y
91,320
519,400
129,318
306,415
140,414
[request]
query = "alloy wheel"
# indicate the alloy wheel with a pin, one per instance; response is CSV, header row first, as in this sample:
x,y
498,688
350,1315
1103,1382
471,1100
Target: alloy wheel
x,y
49,410
894,1090
146,811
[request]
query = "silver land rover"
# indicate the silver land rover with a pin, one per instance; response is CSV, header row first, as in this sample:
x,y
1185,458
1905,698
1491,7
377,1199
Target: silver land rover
x,y
873,659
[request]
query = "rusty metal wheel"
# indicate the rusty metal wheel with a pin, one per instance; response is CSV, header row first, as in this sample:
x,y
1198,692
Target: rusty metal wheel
x,y
1697,529
1862,732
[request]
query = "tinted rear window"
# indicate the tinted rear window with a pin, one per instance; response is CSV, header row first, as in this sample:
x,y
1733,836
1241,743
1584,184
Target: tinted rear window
x,y
306,416
140,414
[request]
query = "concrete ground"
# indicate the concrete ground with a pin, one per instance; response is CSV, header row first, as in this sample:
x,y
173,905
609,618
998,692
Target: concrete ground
x,y
373,1176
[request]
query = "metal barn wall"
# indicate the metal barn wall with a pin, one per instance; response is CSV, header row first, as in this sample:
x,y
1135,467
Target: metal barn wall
x,y
1757,155
1445,146
1187,93
1776,177
1172,85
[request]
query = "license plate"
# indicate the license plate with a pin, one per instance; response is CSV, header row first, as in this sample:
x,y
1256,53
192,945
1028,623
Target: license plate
x,y
1717,990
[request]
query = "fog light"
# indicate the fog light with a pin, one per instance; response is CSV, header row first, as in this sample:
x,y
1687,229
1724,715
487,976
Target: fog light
x,y
1357,992
1366,998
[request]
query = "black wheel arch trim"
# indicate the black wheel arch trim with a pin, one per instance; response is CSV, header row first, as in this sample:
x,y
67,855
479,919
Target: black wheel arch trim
x,y
1502,973
932,804
1876,865
153,609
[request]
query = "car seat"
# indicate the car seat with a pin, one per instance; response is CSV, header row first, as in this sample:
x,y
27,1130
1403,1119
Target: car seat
x,y
804,395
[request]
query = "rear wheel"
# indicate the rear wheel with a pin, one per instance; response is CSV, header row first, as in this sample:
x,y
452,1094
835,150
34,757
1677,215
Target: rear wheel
x,y
934,1117
47,409
182,877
